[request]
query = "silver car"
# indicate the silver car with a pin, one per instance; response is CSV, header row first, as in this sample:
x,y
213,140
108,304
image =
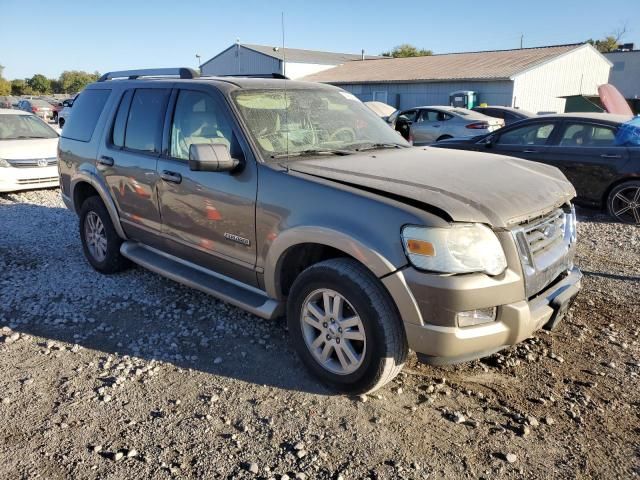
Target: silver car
x,y
424,125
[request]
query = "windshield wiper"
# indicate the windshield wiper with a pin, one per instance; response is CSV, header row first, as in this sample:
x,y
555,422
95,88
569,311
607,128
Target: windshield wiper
x,y
361,147
313,151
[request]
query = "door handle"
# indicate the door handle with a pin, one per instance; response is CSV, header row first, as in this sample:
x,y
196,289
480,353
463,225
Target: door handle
x,y
610,155
530,151
106,161
172,177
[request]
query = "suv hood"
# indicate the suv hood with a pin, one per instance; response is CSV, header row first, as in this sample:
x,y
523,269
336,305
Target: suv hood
x,y
468,186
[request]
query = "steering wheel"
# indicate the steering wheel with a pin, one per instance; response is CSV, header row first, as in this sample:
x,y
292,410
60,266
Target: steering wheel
x,y
346,133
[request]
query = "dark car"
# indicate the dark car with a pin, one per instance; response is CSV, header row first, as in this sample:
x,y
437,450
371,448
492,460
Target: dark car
x,y
582,145
508,114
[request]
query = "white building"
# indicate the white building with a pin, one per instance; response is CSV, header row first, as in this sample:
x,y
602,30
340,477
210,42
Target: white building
x,y
534,79
244,59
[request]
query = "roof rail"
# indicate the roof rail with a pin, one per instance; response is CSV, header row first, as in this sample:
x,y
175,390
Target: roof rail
x,y
150,72
278,76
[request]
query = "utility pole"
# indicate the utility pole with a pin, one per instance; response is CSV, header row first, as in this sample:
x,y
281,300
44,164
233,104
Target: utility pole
x,y
198,58
521,40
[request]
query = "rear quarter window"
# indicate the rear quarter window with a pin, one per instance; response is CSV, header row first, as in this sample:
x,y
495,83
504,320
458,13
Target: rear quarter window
x,y
85,114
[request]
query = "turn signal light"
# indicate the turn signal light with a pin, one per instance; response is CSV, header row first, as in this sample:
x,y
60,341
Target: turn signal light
x,y
420,247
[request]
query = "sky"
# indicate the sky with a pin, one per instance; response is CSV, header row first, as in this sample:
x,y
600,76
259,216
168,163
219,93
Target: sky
x,y
50,37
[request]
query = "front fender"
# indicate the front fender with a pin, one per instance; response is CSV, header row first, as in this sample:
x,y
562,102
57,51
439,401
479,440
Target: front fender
x,y
365,254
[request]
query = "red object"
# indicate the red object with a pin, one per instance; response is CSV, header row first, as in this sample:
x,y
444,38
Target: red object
x,y
477,125
613,101
34,109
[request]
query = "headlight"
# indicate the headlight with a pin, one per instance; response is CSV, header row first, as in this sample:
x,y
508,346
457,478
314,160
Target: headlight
x,y
4,163
463,248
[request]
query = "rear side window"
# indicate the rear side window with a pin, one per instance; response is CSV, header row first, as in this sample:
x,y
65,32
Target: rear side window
x,y
586,135
85,114
144,122
120,123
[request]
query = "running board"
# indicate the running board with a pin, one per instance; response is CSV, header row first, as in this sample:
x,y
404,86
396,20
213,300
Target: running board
x,y
194,276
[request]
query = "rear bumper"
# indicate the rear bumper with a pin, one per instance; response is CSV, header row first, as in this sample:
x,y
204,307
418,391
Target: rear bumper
x,y
13,179
445,343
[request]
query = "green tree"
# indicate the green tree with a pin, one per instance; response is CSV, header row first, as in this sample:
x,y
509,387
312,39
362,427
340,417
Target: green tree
x,y
5,87
608,44
39,84
407,50
56,86
18,87
72,81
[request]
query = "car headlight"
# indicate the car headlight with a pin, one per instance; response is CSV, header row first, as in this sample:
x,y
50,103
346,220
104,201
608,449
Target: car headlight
x,y
4,163
462,248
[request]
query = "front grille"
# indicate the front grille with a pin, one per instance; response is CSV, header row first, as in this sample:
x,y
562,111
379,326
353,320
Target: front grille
x,y
35,181
33,162
546,246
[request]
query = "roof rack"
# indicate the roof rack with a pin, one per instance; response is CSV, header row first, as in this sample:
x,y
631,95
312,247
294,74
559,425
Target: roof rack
x,y
150,72
278,76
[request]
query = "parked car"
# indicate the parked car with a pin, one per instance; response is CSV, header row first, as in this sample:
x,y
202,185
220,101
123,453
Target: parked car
x,y
582,146
426,125
65,112
27,152
8,101
40,108
294,197
508,114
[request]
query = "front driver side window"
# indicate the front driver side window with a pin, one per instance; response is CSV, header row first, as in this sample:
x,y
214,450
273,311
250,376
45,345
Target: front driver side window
x,y
536,134
196,120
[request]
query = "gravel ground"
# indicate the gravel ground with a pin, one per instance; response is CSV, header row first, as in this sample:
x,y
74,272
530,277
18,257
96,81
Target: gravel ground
x,y
134,376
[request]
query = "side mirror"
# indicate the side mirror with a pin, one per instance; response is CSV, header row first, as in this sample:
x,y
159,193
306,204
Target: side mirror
x,y
211,157
488,142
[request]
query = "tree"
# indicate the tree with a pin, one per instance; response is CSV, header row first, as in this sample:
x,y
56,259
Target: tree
x,y
5,87
611,42
72,81
18,87
407,50
56,86
39,84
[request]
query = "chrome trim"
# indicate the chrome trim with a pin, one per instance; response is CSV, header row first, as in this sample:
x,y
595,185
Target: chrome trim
x,y
546,245
33,162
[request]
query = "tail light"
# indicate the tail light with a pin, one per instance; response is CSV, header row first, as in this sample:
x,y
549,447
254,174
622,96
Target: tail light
x,y
478,126
34,109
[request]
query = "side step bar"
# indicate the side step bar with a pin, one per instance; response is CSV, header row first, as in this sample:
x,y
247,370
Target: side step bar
x,y
191,275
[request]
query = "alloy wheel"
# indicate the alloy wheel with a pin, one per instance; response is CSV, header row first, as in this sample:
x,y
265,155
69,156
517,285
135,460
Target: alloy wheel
x,y
333,331
95,236
625,205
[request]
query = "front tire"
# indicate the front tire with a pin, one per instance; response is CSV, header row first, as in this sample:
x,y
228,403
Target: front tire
x,y
623,203
345,327
100,241
61,122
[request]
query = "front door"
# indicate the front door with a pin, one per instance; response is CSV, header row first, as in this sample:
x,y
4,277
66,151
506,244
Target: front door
x,y
528,141
128,161
427,127
208,218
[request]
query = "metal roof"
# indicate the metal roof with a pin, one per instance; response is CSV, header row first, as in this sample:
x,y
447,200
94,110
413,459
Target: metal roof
x,y
298,55
479,66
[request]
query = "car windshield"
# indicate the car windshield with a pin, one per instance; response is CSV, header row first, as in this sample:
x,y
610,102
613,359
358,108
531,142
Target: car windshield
x,y
18,127
312,121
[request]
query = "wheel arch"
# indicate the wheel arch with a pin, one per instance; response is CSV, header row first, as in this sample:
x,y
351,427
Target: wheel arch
x,y
301,247
605,196
85,184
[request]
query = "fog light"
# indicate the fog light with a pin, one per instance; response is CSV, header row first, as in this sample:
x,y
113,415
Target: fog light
x,y
476,317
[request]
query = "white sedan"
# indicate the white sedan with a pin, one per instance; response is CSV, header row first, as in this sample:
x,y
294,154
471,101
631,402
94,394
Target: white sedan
x,y
28,150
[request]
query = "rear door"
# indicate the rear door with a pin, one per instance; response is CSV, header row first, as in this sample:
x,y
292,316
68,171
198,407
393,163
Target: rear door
x,y
586,153
528,141
427,127
208,217
128,160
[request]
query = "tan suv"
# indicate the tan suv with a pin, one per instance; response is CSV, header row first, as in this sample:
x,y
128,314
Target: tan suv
x,y
289,197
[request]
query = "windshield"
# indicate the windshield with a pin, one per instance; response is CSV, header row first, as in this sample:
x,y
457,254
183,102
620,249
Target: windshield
x,y
14,127
312,121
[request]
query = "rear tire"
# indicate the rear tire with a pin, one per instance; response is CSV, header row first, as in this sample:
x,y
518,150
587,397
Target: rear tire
x,y
623,203
100,241
364,340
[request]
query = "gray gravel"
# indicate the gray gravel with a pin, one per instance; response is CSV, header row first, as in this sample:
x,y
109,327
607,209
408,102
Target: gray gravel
x,y
133,375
